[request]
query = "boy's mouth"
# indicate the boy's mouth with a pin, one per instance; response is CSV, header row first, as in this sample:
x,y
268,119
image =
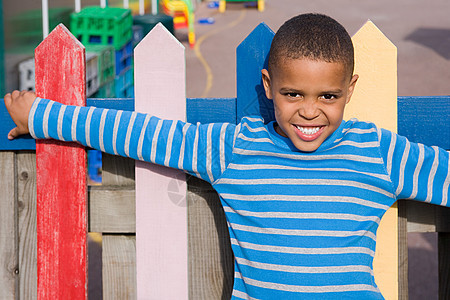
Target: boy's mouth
x,y
308,133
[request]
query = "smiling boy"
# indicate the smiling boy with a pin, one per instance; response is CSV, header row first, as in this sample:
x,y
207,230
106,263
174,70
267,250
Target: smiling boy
x,y
312,79
303,195
309,99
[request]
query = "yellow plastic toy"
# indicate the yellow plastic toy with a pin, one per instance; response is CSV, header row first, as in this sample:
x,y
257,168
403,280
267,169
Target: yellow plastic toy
x,y
182,12
223,4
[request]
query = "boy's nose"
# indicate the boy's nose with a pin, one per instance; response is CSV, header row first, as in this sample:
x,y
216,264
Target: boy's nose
x,y
308,110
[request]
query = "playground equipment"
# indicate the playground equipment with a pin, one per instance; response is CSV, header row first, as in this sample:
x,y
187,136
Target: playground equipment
x,y
165,241
182,12
223,4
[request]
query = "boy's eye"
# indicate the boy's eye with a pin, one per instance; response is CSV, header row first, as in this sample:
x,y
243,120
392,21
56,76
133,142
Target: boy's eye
x,y
329,96
293,95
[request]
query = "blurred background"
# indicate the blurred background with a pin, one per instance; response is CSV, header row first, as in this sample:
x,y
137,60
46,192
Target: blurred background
x,y
420,29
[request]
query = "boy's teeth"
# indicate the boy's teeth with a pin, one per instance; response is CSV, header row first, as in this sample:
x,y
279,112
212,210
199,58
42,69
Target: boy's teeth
x,y
308,130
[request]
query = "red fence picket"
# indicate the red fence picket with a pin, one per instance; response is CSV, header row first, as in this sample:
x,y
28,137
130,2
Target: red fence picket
x,y
61,174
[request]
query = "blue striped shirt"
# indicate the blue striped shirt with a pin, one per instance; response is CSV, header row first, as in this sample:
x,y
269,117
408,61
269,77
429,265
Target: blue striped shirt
x,y
302,225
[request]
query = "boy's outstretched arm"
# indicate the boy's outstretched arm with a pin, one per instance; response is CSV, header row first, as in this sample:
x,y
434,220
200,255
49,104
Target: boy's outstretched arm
x,y
19,105
417,172
202,150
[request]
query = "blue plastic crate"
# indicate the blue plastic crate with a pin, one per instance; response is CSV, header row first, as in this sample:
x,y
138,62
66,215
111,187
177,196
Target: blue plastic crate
x,y
119,83
95,165
107,90
130,91
129,78
123,82
124,58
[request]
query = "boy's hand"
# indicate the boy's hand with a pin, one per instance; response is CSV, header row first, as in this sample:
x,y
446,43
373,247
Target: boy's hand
x,y
19,105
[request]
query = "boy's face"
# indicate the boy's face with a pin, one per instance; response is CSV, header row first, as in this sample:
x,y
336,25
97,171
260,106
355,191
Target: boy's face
x,y
309,97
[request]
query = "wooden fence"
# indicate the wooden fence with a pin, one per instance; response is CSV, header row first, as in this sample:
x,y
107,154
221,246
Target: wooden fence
x,y
183,249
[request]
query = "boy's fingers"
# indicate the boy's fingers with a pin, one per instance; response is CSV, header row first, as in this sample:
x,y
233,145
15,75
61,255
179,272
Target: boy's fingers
x,y
18,104
15,94
23,92
7,99
13,133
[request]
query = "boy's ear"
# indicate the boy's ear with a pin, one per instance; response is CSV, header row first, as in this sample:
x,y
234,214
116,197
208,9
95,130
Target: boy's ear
x,y
266,83
351,87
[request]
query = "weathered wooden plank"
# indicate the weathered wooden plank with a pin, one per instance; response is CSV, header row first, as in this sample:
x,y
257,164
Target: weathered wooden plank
x,y
95,277
402,251
211,267
251,58
8,253
26,202
61,174
221,110
117,170
119,267
444,265
112,209
375,99
161,223
421,216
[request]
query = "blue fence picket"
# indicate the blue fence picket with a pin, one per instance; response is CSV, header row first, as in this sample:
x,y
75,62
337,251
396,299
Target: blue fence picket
x,y
206,111
22,143
251,58
119,104
425,120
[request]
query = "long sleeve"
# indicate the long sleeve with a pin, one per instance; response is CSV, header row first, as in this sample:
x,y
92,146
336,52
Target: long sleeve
x,y
200,150
417,172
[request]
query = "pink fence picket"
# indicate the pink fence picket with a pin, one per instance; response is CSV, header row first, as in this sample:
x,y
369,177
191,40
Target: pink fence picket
x,y
161,217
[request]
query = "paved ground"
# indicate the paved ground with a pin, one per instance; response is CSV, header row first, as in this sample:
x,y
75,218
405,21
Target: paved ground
x,y
420,30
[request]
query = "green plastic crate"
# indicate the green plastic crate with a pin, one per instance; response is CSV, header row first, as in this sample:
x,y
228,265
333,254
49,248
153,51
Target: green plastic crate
x,y
107,90
94,25
106,62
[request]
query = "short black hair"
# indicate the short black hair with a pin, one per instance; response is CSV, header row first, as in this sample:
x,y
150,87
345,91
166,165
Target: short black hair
x,y
312,36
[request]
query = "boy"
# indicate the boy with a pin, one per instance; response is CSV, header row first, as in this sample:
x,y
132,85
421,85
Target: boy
x,y
303,195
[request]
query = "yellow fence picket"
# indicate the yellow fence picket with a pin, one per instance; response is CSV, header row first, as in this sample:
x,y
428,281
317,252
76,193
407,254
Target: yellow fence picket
x,y
375,100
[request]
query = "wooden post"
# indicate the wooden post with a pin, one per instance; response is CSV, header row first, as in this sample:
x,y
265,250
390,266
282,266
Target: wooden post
x,y
375,100
61,174
403,293
8,233
444,265
161,216
26,203
251,58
